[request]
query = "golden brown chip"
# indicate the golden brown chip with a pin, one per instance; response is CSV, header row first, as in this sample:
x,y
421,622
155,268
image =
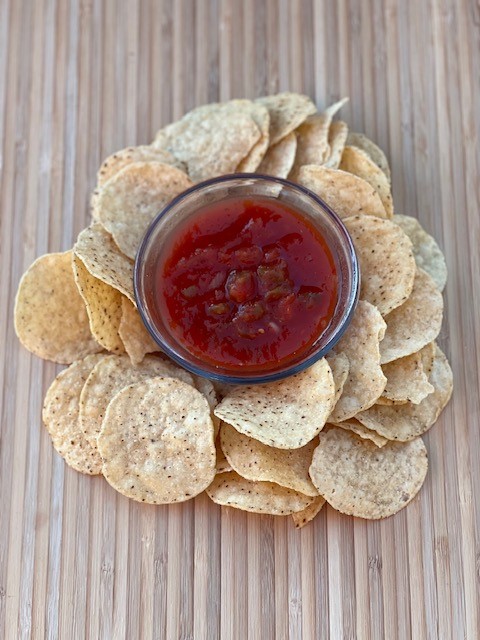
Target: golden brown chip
x,y
360,343
285,414
213,139
312,139
109,377
303,517
337,137
426,251
232,490
250,163
405,422
356,161
287,112
361,141
386,260
50,316
346,194
279,159
131,199
340,366
120,159
406,380
157,442
135,337
60,416
416,323
359,479
104,260
361,430
104,307
256,461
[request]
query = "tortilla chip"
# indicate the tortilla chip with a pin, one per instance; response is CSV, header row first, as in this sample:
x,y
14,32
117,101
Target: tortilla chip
x,y
60,416
279,159
406,380
213,139
206,388
386,261
104,260
359,479
303,517
361,141
50,316
285,414
416,323
111,375
346,194
135,337
250,163
360,343
427,354
157,442
287,112
232,490
340,366
222,465
356,161
312,139
426,251
337,137
133,197
256,461
357,427
104,307
407,421
120,159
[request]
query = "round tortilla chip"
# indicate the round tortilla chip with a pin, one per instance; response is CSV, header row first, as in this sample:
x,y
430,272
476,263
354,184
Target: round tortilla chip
x,y
157,442
135,337
365,381
104,307
60,416
426,251
337,137
416,323
206,388
222,465
111,375
303,517
285,414
346,194
386,260
131,199
361,430
232,490
213,139
361,141
50,316
356,161
406,380
120,159
407,421
101,256
254,460
279,159
361,480
340,367
287,112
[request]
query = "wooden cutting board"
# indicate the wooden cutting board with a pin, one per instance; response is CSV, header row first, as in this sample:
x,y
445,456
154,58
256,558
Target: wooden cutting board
x,y
80,79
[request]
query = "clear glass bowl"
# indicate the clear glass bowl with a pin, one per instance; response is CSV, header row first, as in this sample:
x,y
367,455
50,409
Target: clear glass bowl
x,y
185,206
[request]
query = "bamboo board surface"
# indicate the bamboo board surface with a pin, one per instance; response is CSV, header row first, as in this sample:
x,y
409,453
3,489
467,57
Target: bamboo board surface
x,y
80,79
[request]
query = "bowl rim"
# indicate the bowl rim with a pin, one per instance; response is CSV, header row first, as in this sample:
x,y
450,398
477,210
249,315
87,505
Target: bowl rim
x,y
250,377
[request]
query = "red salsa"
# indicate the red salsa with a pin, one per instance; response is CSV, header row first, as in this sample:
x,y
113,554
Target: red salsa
x,y
247,283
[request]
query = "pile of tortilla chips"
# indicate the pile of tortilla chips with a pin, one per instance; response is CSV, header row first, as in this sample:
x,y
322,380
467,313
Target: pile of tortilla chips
x,y
346,431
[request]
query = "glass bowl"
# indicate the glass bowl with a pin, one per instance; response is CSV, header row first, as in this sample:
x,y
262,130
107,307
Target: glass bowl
x,y
183,207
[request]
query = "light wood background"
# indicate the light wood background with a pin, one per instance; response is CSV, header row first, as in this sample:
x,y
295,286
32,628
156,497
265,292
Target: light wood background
x,y
80,79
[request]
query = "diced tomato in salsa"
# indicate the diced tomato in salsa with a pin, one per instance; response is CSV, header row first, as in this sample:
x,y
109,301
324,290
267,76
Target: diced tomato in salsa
x,y
247,283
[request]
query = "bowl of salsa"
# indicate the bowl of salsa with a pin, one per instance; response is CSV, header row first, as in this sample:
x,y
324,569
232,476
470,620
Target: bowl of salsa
x,y
246,278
